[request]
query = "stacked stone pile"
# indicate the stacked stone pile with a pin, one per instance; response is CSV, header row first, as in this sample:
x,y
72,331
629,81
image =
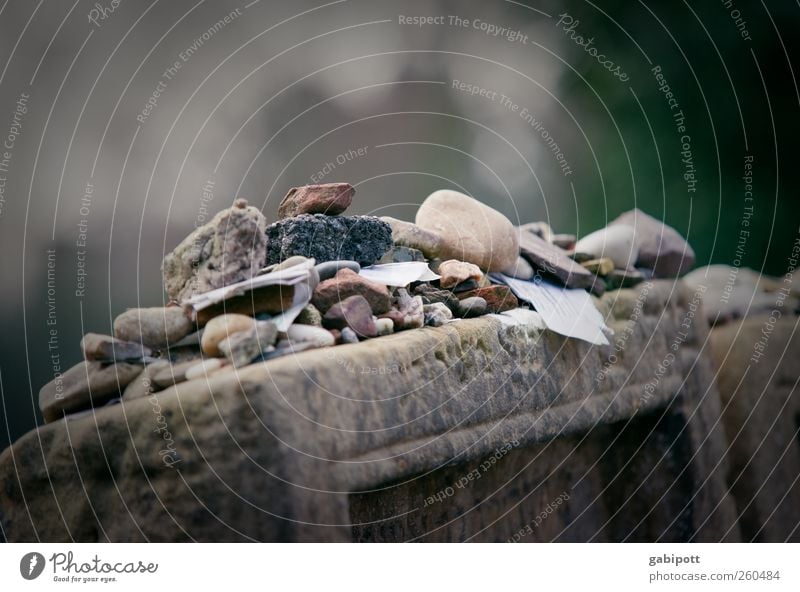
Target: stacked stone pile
x,y
242,291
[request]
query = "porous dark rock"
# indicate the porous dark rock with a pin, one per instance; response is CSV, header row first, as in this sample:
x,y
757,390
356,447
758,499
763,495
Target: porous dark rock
x,y
228,249
325,198
329,238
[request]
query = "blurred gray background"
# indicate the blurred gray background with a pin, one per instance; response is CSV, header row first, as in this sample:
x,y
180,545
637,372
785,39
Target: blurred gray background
x,y
265,100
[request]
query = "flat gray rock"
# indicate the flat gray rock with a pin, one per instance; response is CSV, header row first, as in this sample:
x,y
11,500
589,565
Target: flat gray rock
x,y
553,261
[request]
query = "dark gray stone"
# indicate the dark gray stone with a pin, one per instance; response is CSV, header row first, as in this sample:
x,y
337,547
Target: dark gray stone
x,y
329,238
472,307
553,261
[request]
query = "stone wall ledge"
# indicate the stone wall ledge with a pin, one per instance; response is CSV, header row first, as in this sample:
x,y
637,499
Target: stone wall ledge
x,y
274,451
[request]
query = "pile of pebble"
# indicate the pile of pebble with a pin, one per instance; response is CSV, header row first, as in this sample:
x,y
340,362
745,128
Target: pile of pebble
x,y
460,239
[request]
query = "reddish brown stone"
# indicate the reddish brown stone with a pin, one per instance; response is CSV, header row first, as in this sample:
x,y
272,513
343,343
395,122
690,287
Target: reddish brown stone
x,y
353,312
347,283
327,198
498,298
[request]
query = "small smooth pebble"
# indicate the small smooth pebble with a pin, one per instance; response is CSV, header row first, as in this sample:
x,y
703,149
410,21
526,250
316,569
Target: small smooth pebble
x,y
289,262
309,316
203,368
222,327
154,327
436,314
602,266
408,234
454,272
349,336
104,348
522,270
308,334
243,347
474,306
328,269
564,241
384,326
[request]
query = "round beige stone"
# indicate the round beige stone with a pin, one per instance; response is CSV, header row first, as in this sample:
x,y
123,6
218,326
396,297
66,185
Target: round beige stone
x,y
154,327
470,230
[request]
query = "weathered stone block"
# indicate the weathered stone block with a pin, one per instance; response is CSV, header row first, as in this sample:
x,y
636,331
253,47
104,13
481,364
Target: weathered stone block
x,y
761,415
311,447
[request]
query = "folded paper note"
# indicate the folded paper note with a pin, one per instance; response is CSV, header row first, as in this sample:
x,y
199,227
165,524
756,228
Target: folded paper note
x,y
399,274
569,312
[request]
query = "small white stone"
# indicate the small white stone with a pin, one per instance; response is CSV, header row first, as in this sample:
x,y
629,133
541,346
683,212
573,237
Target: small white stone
x,y
384,326
617,242
522,270
316,335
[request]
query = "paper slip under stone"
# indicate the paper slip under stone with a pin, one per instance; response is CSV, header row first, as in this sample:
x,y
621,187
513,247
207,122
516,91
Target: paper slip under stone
x,y
569,312
296,276
399,274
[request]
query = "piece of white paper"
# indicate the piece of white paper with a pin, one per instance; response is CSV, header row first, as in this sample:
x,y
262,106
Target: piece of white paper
x,y
566,311
287,277
302,296
399,274
520,317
